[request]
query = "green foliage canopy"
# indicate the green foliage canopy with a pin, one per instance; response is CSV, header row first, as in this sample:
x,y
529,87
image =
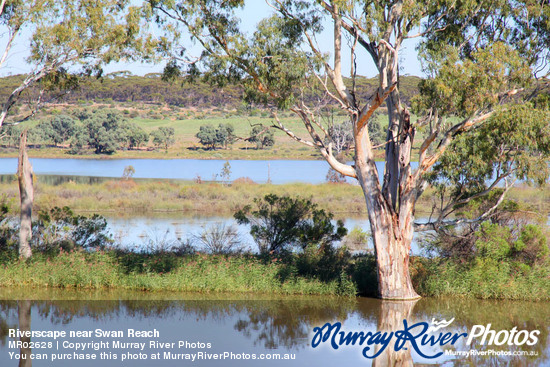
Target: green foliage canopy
x,y
163,136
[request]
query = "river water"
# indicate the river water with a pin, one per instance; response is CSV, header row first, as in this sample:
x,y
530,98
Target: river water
x,y
154,231
276,171
142,232
247,325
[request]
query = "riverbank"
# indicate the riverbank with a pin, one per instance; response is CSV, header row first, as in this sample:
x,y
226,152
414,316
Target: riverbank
x,y
285,151
128,196
141,197
186,145
165,272
241,274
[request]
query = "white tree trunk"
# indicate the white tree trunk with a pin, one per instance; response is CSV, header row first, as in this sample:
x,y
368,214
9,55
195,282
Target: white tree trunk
x,y
392,230
26,192
392,258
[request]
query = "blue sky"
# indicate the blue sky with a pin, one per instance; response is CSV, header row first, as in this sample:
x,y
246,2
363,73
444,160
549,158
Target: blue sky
x,y
253,12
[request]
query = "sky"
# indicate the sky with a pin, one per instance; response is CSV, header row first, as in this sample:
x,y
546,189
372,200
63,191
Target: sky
x,y
253,12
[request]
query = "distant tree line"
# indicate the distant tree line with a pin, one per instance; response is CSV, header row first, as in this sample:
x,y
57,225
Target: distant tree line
x,y
104,131
124,87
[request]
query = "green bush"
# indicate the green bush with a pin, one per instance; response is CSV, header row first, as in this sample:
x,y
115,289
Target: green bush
x,y
363,273
279,222
60,229
507,256
493,241
325,263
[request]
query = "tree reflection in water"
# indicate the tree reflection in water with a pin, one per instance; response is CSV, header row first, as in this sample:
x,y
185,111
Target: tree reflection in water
x,y
288,324
391,316
24,313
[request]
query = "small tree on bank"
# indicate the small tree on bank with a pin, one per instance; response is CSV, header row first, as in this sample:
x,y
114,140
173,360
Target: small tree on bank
x,y
210,137
58,130
262,136
163,136
105,131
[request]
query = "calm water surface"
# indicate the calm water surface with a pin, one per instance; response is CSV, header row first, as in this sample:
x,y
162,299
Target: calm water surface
x,y
163,229
278,171
246,324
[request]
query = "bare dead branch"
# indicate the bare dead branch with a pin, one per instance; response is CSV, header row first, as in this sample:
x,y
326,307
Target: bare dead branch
x,y
280,126
2,6
339,167
249,138
327,91
431,226
315,120
9,44
326,151
14,96
430,28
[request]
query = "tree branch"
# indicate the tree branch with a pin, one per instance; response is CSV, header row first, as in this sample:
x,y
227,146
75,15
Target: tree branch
x,y
14,96
466,124
8,44
353,30
369,108
335,76
280,126
326,151
434,226
431,29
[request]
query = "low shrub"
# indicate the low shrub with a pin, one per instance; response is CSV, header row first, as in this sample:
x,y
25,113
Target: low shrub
x,y
504,257
220,239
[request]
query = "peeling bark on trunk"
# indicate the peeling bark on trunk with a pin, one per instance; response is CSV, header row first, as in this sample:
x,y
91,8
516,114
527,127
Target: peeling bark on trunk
x,y
392,232
392,258
390,205
26,192
391,169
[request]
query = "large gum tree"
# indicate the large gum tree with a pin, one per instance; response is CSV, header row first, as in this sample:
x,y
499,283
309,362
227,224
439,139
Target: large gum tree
x,y
481,57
